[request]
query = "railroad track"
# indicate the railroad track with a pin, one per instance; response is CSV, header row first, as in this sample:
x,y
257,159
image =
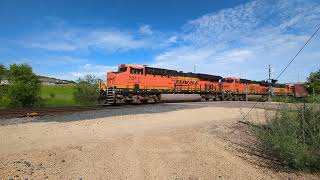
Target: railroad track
x,y
33,112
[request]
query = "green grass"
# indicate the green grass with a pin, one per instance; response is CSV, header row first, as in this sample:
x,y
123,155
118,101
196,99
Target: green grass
x,y
289,99
58,95
293,137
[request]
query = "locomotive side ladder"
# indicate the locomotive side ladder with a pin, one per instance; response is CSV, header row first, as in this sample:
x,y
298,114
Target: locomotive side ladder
x,y
110,95
106,95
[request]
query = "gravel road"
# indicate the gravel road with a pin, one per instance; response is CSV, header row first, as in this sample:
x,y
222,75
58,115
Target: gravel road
x,y
164,141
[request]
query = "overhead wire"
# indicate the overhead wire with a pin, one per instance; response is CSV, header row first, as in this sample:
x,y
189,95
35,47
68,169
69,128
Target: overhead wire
x,y
298,52
305,44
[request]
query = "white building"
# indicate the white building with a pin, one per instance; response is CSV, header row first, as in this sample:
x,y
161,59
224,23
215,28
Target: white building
x,y
44,80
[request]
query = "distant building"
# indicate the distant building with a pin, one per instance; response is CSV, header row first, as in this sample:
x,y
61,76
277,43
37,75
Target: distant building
x,y
44,80
52,81
4,81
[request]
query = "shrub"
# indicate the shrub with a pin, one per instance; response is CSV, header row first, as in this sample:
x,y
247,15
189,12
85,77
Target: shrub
x,y
3,72
293,137
4,99
313,83
86,90
313,99
24,88
289,99
52,95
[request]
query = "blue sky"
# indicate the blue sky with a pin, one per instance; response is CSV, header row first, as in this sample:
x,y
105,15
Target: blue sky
x,y
68,39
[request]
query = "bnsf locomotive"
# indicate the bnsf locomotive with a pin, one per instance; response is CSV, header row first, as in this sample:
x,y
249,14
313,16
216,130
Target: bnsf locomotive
x,y
142,84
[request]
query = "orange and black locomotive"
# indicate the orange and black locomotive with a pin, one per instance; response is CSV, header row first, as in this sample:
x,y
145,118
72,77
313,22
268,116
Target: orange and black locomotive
x,y
142,84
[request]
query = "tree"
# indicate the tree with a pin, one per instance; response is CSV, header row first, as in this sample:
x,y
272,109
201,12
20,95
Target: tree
x,y
86,90
313,82
24,88
4,101
3,71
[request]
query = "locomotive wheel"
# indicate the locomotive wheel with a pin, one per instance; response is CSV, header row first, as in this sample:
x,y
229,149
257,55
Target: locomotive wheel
x,y
128,101
156,99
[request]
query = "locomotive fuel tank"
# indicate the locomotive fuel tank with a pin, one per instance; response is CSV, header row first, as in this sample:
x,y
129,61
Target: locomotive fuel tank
x,y
180,97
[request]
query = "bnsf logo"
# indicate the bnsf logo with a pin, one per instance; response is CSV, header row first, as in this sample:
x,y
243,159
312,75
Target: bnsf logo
x,y
184,82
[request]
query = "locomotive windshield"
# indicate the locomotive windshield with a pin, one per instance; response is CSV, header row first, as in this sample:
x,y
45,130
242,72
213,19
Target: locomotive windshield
x,y
136,71
122,69
227,80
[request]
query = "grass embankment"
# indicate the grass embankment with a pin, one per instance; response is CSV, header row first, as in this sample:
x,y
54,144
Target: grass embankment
x,y
289,99
58,95
293,137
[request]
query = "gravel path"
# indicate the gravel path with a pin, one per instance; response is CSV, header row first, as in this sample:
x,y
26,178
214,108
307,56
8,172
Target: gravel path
x,y
166,141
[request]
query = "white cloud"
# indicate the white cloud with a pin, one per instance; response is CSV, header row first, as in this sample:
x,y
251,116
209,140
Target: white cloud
x,y
146,29
182,57
239,41
112,41
235,56
222,26
68,39
55,46
99,71
243,40
173,39
48,61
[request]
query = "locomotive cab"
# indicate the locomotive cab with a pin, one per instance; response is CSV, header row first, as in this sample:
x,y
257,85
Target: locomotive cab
x,y
125,77
231,80
233,88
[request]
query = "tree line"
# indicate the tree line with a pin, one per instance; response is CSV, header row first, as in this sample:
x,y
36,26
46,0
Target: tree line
x,y
24,88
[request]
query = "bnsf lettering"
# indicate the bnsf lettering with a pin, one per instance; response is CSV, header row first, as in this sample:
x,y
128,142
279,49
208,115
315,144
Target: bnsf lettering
x,y
185,82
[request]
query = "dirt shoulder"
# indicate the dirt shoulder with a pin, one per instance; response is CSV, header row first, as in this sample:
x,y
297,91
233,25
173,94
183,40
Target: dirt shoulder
x,y
198,143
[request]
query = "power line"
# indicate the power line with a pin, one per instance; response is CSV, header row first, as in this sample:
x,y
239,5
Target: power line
x,y
305,44
298,52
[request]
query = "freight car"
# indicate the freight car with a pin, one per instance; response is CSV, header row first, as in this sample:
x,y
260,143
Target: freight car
x,y
143,84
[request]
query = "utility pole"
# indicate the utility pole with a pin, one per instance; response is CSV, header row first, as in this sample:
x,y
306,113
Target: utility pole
x,y
194,68
246,91
270,81
314,94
